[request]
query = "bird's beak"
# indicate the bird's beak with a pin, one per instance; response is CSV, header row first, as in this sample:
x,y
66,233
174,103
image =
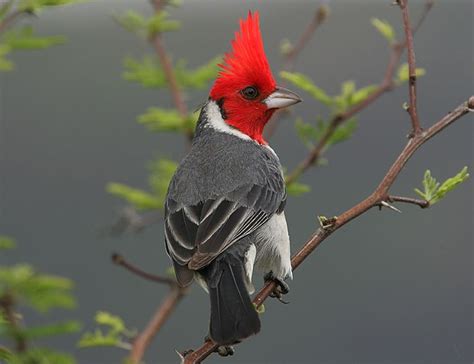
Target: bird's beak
x,y
280,98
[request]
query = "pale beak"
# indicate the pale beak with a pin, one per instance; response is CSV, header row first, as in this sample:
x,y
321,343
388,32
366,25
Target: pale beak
x,y
280,98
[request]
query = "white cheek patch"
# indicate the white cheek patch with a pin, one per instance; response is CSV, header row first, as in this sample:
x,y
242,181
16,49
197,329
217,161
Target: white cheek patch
x,y
215,121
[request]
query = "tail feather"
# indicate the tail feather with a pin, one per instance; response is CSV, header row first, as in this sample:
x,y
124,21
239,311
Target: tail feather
x,y
233,315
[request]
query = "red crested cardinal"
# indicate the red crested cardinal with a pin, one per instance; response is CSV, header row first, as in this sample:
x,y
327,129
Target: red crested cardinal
x,y
224,207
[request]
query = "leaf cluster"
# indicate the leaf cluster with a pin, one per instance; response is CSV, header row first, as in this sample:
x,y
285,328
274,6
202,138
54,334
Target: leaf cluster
x,y
161,171
433,191
20,284
116,334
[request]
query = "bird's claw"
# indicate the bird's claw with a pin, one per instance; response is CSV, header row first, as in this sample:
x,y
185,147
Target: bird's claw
x,y
280,289
225,350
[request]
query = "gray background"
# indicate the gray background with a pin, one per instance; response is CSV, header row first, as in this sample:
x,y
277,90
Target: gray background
x,y
388,288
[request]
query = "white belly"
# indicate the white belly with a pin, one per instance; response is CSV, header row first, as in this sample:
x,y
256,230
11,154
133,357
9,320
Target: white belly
x,y
273,247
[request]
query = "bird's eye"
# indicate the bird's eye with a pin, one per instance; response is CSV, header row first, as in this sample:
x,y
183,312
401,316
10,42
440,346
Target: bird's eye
x,y
250,93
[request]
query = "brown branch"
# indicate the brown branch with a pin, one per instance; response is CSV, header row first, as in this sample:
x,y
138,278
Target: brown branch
x,y
385,85
143,340
164,310
120,260
176,93
7,310
319,17
412,108
10,19
380,194
414,201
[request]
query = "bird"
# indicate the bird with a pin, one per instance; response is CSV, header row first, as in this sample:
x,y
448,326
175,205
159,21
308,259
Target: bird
x,y
224,209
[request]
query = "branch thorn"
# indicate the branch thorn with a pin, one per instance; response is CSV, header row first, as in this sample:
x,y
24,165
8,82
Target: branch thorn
x,y
391,207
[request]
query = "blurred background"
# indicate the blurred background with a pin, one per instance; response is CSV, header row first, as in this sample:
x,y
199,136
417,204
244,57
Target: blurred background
x,y
387,288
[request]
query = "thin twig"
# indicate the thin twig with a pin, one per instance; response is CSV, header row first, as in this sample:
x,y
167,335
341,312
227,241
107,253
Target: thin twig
x,y
10,19
385,85
414,201
176,93
143,340
380,194
319,17
412,108
7,310
120,260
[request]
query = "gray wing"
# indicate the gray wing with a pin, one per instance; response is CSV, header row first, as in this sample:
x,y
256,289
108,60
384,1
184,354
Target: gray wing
x,y
196,234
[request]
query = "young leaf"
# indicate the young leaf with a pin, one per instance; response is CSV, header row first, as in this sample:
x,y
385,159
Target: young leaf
x,y
142,200
67,327
433,191
158,119
160,23
403,73
161,171
297,189
41,356
199,77
25,39
6,243
362,93
133,22
384,28
304,83
114,322
147,72
343,132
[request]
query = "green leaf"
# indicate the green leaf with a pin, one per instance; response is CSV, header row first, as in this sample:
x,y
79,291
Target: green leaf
x,y
113,337
25,39
115,323
384,28
199,77
6,243
40,291
362,93
303,82
433,191
133,22
147,72
142,200
161,172
343,132
158,119
62,328
297,189
41,356
403,73
160,23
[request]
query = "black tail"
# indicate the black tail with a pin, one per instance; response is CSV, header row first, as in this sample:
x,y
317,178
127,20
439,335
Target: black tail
x,y
233,315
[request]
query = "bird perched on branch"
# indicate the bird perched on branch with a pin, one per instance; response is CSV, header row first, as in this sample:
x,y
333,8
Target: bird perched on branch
x,y
224,207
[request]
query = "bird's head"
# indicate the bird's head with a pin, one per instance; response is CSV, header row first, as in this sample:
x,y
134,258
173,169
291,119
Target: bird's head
x,y
245,88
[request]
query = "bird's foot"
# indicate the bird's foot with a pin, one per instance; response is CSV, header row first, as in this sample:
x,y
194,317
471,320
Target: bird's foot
x,y
280,289
222,350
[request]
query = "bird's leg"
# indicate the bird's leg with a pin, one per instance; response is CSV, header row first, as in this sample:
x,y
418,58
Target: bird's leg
x,y
281,287
222,350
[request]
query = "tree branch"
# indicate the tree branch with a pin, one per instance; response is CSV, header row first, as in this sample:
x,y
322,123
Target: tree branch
x,y
143,340
164,310
412,108
414,201
385,85
319,17
10,19
176,94
7,309
120,260
380,194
